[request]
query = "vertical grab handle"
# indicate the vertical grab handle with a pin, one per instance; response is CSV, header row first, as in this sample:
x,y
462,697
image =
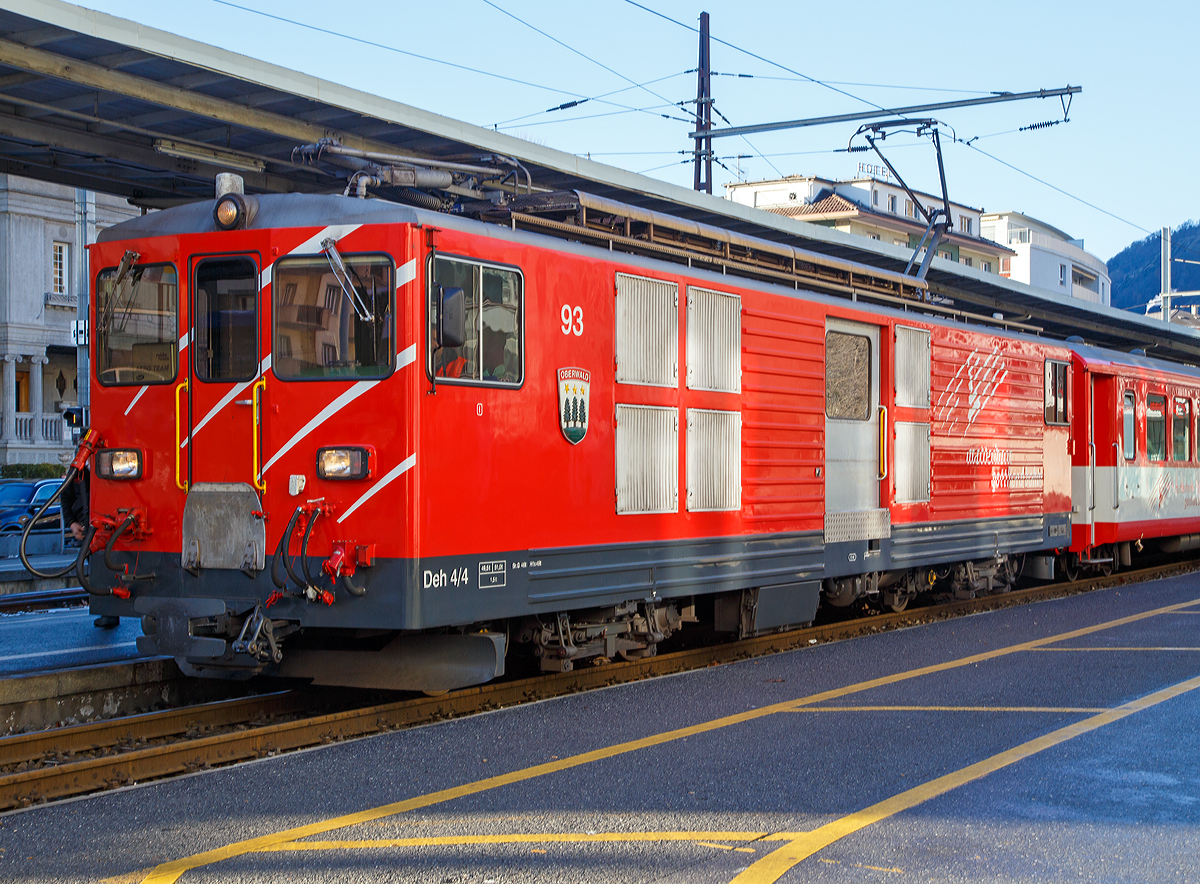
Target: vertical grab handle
x,y
256,408
883,446
181,484
1092,473
1116,475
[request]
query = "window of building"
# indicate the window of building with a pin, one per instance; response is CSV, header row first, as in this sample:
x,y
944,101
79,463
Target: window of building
x,y
947,255
1129,437
1056,392
874,197
1181,422
847,376
1006,265
60,269
909,209
969,262
1156,428
985,266
892,203
966,224
322,331
493,353
874,236
137,341
1062,274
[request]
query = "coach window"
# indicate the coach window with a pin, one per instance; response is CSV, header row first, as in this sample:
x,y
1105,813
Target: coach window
x,y
137,330
847,376
1129,435
1181,422
492,353
1156,428
331,328
226,307
1056,392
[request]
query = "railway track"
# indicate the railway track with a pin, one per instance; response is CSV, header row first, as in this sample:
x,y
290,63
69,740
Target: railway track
x,y
63,762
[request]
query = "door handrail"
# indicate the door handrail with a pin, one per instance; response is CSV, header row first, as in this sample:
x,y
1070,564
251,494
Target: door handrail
x,y
1092,483
883,446
182,485
1116,475
256,399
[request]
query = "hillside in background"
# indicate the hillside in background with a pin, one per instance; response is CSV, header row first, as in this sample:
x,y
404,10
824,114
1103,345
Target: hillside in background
x,y
1136,270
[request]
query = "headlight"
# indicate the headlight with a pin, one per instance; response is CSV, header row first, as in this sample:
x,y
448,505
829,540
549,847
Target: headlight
x,y
119,463
234,211
342,463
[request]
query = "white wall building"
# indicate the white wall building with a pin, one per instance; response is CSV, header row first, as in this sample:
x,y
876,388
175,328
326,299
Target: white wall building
x,y
874,208
1047,258
38,302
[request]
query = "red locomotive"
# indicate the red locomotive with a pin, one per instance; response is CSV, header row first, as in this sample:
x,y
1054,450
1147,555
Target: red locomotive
x,y
370,444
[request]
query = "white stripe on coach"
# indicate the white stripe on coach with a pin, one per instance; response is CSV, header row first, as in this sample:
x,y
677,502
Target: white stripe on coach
x,y
401,469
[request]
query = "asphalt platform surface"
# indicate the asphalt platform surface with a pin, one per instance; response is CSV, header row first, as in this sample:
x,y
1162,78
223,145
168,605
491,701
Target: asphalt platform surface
x,y
64,637
1054,741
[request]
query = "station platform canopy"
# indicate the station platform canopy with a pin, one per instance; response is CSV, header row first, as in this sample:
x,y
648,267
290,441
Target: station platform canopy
x,y
103,103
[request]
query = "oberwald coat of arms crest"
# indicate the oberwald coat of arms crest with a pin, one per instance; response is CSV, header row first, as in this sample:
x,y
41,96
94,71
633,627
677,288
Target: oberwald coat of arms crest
x,y
573,387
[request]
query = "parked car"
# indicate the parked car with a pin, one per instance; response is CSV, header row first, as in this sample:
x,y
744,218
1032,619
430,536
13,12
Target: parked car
x,y
20,499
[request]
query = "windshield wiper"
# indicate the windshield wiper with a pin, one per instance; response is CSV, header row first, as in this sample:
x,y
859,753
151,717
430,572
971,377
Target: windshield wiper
x,y
343,277
128,260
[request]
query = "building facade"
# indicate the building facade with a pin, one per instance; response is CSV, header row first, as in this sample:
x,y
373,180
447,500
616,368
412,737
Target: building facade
x,y
42,229
1045,257
874,208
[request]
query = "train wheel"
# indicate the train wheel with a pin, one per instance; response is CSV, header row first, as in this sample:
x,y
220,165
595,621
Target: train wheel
x,y
1070,566
899,604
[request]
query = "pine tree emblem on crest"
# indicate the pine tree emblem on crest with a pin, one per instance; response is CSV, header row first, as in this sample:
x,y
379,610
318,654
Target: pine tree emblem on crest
x,y
573,387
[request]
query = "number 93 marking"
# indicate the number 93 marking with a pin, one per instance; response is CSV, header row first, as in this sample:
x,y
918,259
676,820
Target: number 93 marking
x,y
572,320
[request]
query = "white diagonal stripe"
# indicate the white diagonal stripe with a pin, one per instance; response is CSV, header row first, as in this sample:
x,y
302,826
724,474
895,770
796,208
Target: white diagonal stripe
x,y
406,274
323,415
135,399
408,464
227,398
183,341
312,244
406,357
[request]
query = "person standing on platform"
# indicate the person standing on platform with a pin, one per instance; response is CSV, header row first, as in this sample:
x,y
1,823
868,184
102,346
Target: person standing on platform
x,y
75,498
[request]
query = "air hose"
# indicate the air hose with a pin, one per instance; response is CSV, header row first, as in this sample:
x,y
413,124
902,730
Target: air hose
x,y
281,551
308,581
87,446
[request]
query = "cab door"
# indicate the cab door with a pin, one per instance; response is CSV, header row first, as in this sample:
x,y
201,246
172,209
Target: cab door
x,y
225,376
855,457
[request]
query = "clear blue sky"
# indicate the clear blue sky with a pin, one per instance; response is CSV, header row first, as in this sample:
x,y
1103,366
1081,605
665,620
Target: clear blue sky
x,y
1127,149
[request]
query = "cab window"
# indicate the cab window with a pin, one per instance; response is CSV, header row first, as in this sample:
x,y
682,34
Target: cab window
x,y
137,325
493,351
1180,425
1156,428
324,331
1128,435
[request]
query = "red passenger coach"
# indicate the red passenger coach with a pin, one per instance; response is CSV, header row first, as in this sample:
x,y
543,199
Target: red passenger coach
x,y
369,444
1134,463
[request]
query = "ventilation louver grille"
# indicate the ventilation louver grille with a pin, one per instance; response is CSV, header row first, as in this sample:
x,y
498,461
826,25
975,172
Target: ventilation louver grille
x,y
714,460
647,331
714,341
647,459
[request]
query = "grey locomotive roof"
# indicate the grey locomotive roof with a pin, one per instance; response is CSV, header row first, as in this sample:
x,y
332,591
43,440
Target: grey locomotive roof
x,y
274,210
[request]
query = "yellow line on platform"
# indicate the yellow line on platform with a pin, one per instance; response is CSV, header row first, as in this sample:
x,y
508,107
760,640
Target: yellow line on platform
x,y
531,838
169,872
1081,710
1069,650
771,867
